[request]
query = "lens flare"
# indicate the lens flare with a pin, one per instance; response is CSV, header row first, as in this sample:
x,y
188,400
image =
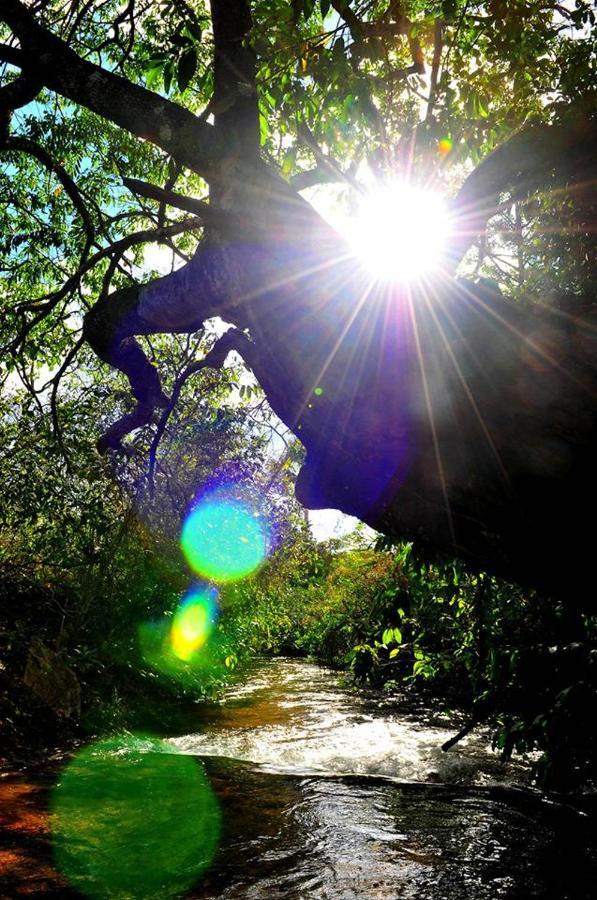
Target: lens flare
x,y
223,539
399,233
132,818
444,146
193,623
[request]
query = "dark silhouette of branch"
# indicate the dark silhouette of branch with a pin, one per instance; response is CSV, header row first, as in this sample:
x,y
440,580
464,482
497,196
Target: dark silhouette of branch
x,y
211,215
324,161
215,359
145,114
25,145
540,154
12,55
54,397
44,305
435,67
394,23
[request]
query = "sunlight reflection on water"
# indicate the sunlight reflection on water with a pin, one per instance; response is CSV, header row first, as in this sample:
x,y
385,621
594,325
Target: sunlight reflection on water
x,y
295,717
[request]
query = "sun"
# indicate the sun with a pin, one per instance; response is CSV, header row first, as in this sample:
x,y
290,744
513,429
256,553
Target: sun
x,y
399,232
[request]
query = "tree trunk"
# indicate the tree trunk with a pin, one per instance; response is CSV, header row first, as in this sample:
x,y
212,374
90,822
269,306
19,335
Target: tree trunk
x,y
442,414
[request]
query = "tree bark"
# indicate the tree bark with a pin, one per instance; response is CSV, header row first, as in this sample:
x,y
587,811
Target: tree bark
x,y
442,414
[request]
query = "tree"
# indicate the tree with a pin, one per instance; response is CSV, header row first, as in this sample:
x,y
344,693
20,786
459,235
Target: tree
x,y
444,413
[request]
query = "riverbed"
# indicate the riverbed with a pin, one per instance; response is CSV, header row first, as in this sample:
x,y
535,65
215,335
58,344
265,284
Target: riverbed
x,y
324,792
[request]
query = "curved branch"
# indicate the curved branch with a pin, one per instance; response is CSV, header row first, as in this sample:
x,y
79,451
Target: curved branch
x,y
188,139
215,359
539,155
145,114
30,147
43,306
54,397
19,92
210,214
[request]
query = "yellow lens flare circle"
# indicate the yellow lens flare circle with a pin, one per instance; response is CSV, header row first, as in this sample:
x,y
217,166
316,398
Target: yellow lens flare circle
x,y
445,146
192,624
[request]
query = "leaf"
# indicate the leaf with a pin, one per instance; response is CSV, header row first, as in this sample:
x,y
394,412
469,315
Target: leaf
x,y
187,65
263,127
193,30
168,74
338,49
387,636
308,7
394,652
324,6
154,74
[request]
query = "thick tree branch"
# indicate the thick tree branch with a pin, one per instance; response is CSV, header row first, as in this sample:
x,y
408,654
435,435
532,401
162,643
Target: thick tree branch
x,y
19,92
145,114
235,94
24,145
43,306
224,221
536,157
12,55
16,93
241,177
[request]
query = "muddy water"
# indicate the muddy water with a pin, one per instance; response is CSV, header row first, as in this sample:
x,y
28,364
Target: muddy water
x,y
327,794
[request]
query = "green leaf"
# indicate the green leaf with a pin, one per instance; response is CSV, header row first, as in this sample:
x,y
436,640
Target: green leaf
x,y
308,7
187,64
263,127
394,652
168,75
338,49
387,636
193,30
152,75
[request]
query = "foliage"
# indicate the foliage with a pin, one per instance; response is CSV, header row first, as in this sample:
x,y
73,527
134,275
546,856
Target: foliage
x,y
524,665
89,548
346,91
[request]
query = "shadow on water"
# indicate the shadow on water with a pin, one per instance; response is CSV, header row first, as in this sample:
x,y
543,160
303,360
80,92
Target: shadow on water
x,y
323,795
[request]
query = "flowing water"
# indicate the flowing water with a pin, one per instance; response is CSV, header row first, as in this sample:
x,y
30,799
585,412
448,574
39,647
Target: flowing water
x,y
325,793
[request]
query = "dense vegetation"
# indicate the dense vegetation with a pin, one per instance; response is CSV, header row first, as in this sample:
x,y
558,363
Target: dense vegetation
x,y
86,559
337,92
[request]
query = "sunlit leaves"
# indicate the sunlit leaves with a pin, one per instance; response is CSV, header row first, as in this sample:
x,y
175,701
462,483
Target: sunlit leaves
x,y
177,63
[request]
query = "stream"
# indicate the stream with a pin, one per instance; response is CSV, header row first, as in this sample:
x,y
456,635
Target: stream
x,y
328,793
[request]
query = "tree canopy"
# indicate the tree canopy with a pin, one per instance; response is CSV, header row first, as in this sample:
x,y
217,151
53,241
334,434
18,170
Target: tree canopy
x,y
456,411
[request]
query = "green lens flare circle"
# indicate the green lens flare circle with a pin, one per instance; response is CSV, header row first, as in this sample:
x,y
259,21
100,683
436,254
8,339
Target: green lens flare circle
x,y
223,540
131,818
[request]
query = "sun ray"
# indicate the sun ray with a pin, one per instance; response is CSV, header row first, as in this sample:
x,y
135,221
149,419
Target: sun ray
x,y
400,231
536,348
463,380
431,418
